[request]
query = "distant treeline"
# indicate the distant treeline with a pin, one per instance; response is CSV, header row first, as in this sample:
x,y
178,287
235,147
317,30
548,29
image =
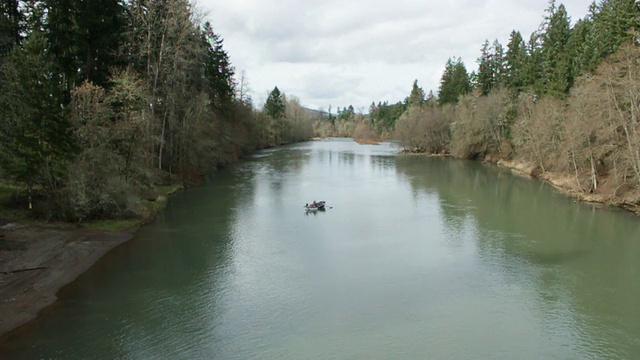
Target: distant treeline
x,y
566,101
101,100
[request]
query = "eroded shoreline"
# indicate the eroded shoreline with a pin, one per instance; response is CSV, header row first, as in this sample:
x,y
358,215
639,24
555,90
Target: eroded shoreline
x,y
35,262
566,185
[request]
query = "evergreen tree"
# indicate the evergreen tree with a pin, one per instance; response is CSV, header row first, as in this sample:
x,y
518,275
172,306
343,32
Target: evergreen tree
x,y
515,62
33,16
350,112
484,77
61,29
532,71
490,67
98,34
431,99
497,64
613,21
346,113
275,104
455,82
34,135
372,108
218,70
84,37
10,20
581,48
416,98
386,115
556,64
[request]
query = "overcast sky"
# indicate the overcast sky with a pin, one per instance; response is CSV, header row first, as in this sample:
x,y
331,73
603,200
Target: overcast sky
x,y
340,53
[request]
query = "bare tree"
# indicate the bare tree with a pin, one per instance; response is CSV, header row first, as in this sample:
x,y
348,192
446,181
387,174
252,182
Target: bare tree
x,y
538,130
479,124
621,75
423,129
298,121
243,89
164,44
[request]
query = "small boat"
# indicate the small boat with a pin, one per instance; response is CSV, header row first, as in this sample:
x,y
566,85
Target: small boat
x,y
314,206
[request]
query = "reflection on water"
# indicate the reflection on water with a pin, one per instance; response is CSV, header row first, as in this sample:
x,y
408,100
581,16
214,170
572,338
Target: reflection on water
x,y
415,257
581,261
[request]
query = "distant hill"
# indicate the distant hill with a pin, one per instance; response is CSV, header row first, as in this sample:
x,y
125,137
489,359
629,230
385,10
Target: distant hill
x,y
317,114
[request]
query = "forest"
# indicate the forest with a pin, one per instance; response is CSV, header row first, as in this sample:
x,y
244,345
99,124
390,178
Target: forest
x,y
562,104
104,102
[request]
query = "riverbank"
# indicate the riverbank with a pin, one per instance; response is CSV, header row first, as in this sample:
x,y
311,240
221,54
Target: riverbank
x,y
561,182
36,261
567,185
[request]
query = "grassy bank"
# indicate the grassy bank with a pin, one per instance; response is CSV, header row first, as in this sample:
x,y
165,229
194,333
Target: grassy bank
x,y
14,207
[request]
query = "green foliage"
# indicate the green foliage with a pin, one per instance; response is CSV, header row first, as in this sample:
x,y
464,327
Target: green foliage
x,y
167,190
385,115
491,67
556,53
275,104
98,33
556,63
417,96
218,70
10,26
60,27
87,133
484,76
613,21
515,62
100,180
128,99
532,69
83,36
34,138
454,83
8,190
150,92
346,113
581,48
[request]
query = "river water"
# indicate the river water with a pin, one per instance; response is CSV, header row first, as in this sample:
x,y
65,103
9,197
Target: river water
x,y
415,258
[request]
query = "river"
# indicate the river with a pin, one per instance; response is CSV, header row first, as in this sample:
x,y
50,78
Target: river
x,y
415,257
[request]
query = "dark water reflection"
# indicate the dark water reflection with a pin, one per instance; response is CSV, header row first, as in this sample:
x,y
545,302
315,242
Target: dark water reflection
x,y
415,258
578,260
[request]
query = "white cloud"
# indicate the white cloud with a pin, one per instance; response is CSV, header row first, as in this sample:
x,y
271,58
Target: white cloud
x,y
343,53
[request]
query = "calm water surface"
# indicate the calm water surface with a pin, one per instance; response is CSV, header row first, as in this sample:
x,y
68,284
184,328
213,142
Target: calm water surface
x,y
417,258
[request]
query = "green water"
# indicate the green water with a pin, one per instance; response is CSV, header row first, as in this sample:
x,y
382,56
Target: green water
x,y
418,258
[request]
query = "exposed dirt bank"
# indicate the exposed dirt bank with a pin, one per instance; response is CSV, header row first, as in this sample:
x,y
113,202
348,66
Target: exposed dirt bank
x,y
569,186
605,194
35,262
